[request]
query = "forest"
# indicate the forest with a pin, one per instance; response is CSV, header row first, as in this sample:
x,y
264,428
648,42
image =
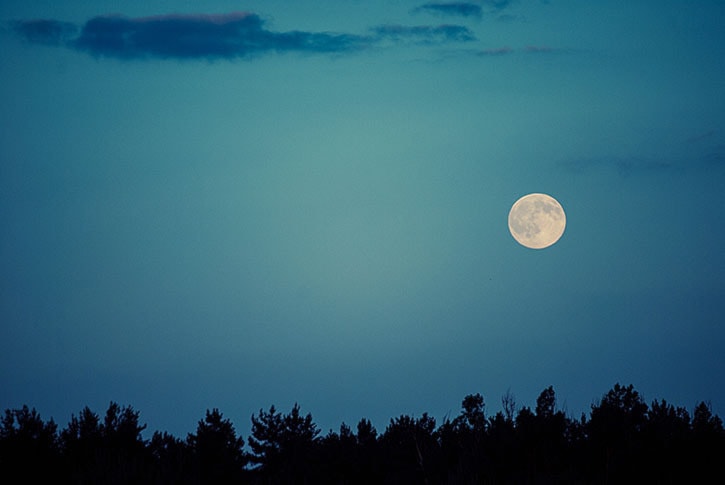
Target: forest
x,y
621,440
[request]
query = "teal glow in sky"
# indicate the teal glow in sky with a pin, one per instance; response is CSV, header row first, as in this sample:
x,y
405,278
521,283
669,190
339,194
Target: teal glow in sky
x,y
237,204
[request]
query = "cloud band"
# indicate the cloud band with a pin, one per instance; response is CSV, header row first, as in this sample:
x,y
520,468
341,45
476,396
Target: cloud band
x,y
222,36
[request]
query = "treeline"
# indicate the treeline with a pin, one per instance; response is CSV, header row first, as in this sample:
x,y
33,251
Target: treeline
x,y
622,440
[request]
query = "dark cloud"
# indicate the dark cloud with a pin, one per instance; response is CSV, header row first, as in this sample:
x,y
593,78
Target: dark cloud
x,y
425,33
223,36
715,158
704,151
497,4
708,135
227,36
41,31
463,9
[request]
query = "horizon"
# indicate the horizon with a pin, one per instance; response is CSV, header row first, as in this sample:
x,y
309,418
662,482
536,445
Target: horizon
x,y
449,417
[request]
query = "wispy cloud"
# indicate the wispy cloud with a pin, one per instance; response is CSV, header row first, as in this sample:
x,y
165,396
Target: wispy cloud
x,y
711,145
701,137
497,51
538,49
623,166
424,33
49,32
701,152
506,50
462,9
221,36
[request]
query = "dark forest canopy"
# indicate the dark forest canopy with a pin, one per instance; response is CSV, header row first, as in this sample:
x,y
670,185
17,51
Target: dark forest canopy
x,y
622,440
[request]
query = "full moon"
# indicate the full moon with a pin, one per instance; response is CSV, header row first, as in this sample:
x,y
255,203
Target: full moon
x,y
537,221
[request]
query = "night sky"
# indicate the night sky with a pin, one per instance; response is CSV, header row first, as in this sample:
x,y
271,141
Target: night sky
x,y
237,204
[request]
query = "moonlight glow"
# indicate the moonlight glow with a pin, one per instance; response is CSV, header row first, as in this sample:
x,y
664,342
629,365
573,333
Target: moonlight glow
x,y
537,221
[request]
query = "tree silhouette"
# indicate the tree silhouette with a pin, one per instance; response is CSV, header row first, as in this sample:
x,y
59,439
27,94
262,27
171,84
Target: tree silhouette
x,y
217,450
546,403
615,432
508,404
366,465
462,440
111,452
500,447
28,446
411,450
472,415
542,438
267,438
283,445
708,441
349,458
81,442
622,441
665,438
173,460
337,454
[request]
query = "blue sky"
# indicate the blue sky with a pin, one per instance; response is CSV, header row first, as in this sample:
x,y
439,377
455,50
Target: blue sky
x,y
237,204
